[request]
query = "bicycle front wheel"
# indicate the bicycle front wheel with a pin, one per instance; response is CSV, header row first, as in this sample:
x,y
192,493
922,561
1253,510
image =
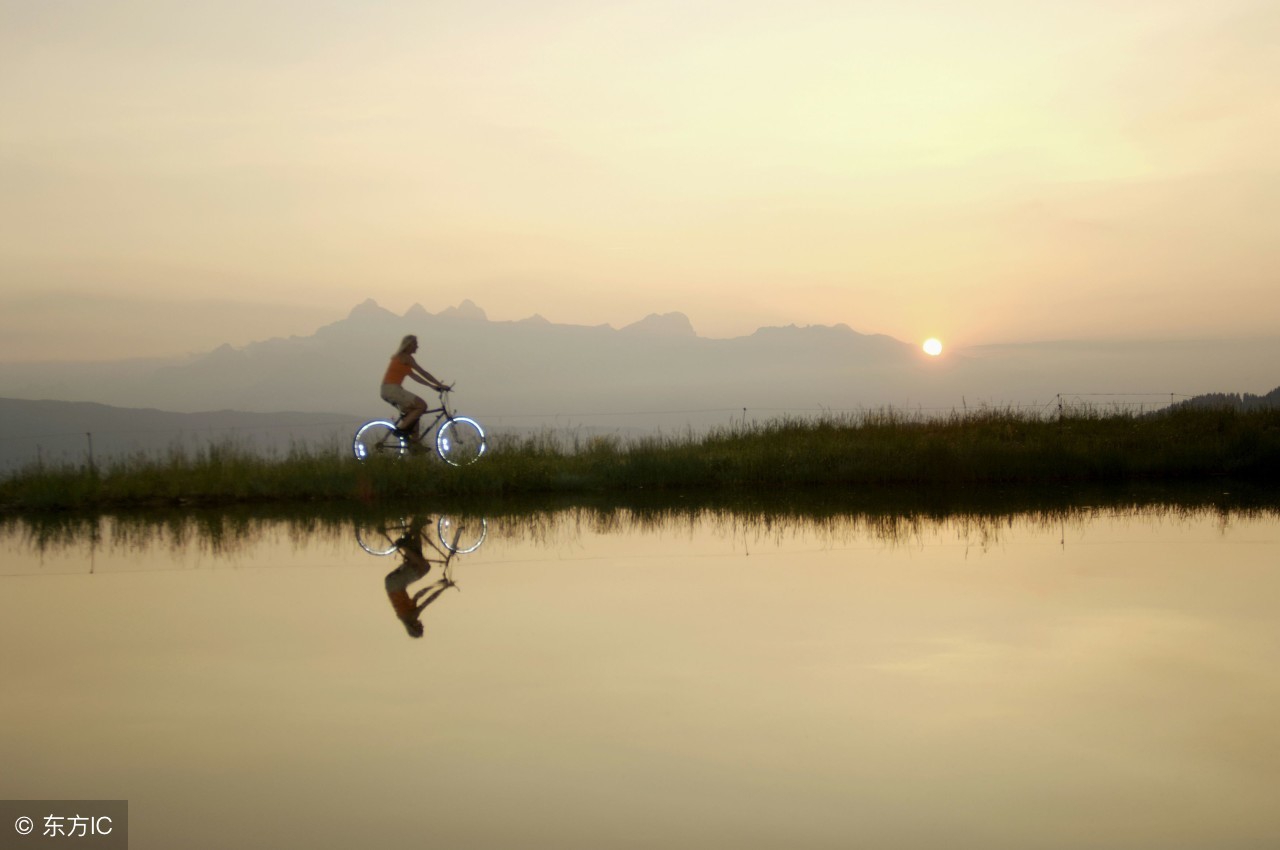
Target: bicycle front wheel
x,y
380,539
460,535
378,439
460,441
374,542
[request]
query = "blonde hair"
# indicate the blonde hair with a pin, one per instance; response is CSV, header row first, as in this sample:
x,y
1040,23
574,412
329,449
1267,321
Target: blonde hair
x,y
405,343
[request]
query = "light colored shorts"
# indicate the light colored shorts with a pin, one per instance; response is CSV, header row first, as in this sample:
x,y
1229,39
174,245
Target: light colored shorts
x,y
399,579
400,397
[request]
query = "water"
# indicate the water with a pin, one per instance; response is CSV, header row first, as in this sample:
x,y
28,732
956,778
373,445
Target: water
x,y
1102,678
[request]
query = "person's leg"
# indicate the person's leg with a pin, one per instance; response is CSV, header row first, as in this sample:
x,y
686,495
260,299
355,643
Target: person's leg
x,y
412,413
410,406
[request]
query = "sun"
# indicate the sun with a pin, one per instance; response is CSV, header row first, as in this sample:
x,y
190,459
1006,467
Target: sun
x,y
932,346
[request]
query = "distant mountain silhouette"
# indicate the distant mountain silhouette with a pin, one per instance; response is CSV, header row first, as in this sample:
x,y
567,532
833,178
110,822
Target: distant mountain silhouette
x,y
668,324
531,370
656,373
466,310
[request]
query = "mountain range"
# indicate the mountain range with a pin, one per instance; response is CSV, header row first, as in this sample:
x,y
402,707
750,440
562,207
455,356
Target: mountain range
x,y
655,374
528,371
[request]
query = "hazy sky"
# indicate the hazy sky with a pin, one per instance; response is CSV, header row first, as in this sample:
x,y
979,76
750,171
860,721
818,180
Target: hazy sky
x,y
174,175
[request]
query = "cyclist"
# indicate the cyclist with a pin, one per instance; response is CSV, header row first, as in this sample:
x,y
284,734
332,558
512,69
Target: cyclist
x,y
403,366
414,567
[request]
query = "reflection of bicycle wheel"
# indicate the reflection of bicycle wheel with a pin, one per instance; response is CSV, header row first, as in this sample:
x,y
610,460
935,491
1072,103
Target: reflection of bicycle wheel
x,y
377,439
381,539
460,441
462,536
374,542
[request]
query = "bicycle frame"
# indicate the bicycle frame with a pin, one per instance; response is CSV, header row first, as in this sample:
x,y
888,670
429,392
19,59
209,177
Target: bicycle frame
x,y
441,412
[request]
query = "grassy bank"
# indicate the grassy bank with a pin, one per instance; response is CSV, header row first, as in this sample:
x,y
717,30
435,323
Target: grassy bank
x,y
883,450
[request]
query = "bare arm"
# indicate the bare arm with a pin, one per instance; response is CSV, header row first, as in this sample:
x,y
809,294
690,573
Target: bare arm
x,y
424,377
442,585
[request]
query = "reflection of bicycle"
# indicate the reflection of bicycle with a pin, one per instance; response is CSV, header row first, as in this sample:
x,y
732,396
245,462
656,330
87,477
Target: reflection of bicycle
x,y
458,535
459,439
415,565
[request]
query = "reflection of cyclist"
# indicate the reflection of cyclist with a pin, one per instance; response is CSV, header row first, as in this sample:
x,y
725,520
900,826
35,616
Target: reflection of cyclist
x,y
414,567
403,366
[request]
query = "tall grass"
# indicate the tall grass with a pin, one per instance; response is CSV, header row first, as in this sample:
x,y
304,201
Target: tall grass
x,y
882,449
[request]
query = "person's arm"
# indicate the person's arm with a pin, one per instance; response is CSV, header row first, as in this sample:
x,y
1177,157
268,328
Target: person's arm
x,y
443,584
424,377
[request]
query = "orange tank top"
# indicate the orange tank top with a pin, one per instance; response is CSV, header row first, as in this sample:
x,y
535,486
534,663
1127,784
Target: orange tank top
x,y
396,372
403,605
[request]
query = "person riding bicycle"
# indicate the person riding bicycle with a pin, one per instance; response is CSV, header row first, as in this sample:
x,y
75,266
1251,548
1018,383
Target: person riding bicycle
x,y
403,366
414,567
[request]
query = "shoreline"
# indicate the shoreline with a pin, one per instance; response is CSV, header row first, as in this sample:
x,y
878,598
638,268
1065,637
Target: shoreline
x,y
888,453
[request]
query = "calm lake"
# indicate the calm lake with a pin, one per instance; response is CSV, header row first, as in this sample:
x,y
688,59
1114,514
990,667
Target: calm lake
x,y
1069,678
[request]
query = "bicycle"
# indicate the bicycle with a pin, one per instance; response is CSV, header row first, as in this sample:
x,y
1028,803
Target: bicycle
x,y
459,535
459,440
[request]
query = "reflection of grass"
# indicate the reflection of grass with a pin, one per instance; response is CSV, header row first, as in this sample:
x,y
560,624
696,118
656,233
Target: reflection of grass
x,y
986,448
893,516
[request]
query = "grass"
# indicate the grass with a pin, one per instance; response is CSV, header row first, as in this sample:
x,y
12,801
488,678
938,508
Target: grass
x,y
888,449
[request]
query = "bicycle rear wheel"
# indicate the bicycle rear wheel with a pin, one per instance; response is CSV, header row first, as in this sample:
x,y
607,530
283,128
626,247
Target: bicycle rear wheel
x,y
377,439
460,441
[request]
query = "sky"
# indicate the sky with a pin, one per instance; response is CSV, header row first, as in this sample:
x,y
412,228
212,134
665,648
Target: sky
x,y
174,176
